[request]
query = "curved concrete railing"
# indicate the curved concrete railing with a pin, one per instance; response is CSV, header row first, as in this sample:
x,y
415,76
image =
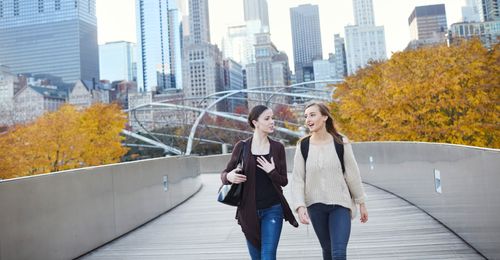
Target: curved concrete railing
x,y
66,214
457,185
469,177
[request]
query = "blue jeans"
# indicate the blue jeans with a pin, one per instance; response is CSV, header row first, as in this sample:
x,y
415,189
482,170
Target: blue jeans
x,y
271,222
332,225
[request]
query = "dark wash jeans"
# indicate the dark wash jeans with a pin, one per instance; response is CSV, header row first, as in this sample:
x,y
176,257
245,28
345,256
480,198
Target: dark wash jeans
x,y
271,222
332,225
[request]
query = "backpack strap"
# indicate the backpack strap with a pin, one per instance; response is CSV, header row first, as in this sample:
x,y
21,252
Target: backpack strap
x,y
339,148
304,147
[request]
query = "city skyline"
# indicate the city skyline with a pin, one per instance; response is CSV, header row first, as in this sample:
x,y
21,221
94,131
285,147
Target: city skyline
x,y
392,14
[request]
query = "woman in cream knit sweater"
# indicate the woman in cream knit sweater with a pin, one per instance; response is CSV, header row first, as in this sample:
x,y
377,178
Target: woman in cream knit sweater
x,y
321,192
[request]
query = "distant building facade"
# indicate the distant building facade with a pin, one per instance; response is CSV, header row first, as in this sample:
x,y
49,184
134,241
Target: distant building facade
x,y
50,37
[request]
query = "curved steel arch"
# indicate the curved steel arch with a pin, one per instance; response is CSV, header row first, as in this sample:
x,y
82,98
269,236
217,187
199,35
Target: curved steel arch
x,y
228,94
251,90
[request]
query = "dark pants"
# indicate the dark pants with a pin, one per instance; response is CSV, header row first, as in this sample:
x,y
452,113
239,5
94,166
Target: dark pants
x,y
332,225
271,222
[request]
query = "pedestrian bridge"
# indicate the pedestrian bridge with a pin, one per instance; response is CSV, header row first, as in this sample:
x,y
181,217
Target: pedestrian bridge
x,y
425,201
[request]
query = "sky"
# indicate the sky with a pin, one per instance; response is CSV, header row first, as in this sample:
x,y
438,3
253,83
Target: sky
x,y
116,20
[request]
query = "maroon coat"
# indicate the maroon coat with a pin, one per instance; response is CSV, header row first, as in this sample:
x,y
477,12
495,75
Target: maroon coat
x,y
246,213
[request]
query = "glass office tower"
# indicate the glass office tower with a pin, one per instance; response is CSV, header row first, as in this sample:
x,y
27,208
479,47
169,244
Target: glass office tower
x,y
54,37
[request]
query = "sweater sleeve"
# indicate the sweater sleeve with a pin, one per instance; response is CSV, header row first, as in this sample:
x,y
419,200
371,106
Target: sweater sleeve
x,y
353,177
298,180
233,162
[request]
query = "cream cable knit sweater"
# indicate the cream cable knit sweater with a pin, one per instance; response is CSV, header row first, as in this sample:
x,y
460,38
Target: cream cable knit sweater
x,y
322,180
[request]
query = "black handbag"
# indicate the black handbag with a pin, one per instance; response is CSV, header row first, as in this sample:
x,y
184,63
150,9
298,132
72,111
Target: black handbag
x,y
230,194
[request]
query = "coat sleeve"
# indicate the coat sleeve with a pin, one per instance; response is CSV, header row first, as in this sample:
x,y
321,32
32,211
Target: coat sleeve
x,y
233,162
279,174
353,177
298,180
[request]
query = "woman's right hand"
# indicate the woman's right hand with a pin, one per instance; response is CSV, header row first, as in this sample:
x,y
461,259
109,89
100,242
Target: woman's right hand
x,y
303,215
234,176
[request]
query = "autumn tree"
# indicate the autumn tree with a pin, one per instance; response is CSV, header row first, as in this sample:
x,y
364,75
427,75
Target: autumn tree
x,y
433,94
61,140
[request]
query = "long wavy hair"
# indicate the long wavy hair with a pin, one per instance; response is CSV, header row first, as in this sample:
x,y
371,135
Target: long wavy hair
x,y
330,127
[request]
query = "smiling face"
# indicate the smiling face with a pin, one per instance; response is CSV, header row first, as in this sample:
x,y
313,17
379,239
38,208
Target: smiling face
x,y
315,121
265,122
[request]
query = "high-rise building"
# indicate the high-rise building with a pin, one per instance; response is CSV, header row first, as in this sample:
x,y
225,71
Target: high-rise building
x,y
340,57
490,10
50,37
472,10
428,22
428,26
159,45
238,44
232,80
306,39
365,41
199,22
257,10
117,61
270,69
363,12
202,61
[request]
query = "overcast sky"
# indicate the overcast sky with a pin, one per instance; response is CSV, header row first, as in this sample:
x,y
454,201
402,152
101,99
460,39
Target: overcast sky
x,y
116,20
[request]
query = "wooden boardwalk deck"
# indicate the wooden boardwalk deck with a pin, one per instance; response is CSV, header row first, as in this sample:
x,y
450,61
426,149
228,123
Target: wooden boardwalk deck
x,y
202,228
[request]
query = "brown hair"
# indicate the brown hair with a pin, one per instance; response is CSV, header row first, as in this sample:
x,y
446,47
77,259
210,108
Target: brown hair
x,y
330,127
255,113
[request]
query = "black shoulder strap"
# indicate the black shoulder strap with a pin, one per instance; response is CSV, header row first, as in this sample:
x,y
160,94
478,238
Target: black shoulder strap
x,y
304,147
339,148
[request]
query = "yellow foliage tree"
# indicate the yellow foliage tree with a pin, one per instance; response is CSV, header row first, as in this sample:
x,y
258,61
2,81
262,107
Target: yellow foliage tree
x,y
433,94
64,139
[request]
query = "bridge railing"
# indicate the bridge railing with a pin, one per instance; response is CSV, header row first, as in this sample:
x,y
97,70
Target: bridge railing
x,y
66,214
457,185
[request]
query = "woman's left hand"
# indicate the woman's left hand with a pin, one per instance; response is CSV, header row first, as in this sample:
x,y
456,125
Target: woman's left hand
x,y
363,212
264,164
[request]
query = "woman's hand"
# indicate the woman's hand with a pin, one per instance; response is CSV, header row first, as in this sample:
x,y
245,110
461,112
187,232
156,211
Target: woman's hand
x,y
363,212
234,176
303,215
264,164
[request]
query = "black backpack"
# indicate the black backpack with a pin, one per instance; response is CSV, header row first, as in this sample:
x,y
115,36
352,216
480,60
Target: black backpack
x,y
339,148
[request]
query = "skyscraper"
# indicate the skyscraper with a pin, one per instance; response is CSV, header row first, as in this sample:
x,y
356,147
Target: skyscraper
x,y
363,12
199,22
159,45
202,61
257,10
50,37
117,61
306,40
363,41
428,22
269,70
490,10
472,10
340,57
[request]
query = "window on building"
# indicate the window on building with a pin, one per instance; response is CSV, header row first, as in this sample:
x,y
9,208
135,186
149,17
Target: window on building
x,y
16,7
57,5
40,6
1,8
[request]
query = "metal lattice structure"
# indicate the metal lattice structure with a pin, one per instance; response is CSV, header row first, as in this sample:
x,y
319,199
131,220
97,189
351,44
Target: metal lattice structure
x,y
294,97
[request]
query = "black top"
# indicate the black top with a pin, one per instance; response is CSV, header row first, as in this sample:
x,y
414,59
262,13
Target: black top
x,y
265,193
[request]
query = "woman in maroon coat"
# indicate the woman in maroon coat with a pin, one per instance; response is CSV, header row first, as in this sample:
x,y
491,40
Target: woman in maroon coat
x,y
263,206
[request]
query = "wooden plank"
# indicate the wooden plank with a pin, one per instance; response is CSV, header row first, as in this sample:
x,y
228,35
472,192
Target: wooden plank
x,y
202,228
